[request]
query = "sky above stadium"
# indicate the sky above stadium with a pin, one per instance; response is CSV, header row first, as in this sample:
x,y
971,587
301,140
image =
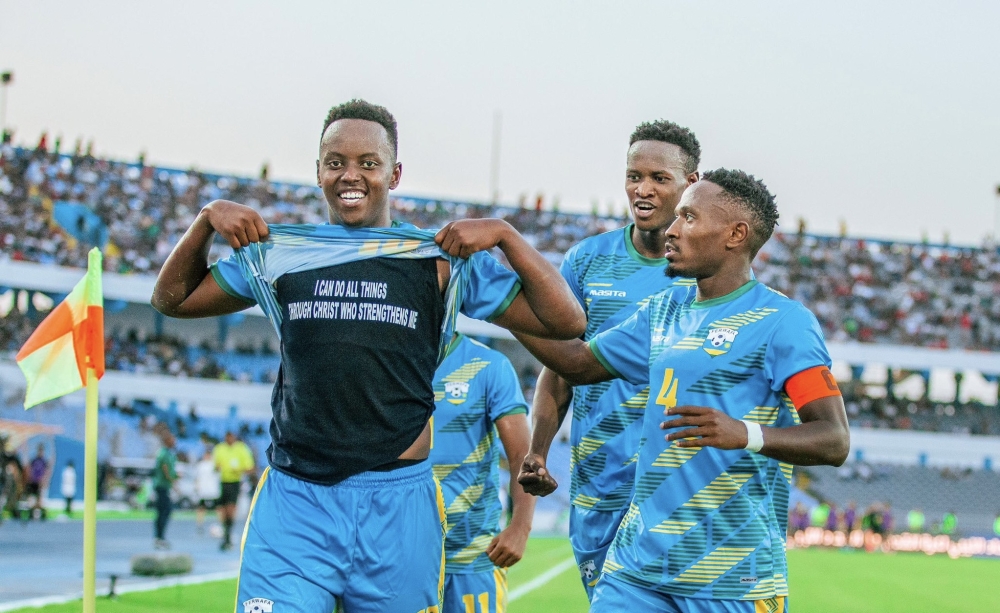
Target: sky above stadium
x,y
885,115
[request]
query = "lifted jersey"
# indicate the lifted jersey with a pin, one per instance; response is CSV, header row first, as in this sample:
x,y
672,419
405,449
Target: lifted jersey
x,y
611,280
474,387
704,522
360,314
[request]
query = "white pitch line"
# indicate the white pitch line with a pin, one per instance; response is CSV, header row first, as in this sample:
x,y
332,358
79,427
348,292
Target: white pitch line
x,y
541,579
145,586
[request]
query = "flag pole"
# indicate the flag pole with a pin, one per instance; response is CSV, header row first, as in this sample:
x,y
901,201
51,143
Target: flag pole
x,y
90,498
95,295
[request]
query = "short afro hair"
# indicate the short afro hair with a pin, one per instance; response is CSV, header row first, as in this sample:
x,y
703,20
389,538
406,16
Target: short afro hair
x,y
749,192
361,109
669,132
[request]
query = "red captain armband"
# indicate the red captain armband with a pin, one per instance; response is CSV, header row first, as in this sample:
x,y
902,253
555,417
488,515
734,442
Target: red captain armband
x,y
811,384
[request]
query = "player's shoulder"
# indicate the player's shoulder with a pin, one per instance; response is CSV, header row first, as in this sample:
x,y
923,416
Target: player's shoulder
x,y
605,243
482,351
788,309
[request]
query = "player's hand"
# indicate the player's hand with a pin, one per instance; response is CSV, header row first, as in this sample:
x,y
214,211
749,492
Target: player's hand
x,y
507,548
238,224
534,477
705,427
467,236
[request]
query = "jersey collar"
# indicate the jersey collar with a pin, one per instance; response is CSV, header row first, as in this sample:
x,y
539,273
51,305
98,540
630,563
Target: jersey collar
x,y
632,251
733,295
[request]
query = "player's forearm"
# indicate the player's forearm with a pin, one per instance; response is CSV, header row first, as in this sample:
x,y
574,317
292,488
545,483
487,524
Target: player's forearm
x,y
513,432
545,290
184,269
824,436
572,360
522,505
548,410
813,444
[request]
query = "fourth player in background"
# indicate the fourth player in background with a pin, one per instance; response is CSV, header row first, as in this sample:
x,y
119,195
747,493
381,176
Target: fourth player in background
x,y
478,397
612,275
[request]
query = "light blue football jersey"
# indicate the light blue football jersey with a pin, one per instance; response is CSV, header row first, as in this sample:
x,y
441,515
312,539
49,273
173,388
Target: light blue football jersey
x,y
611,280
704,522
473,387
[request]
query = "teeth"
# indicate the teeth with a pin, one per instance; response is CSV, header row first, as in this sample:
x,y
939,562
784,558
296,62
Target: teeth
x,y
352,195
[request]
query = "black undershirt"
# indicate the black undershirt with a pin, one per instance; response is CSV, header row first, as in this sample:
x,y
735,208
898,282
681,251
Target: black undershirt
x,y
358,353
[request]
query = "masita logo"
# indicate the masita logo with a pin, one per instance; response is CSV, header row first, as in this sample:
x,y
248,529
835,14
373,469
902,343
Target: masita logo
x,y
258,605
609,293
746,580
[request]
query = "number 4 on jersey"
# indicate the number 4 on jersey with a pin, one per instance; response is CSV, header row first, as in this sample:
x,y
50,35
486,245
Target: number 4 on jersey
x,y
668,391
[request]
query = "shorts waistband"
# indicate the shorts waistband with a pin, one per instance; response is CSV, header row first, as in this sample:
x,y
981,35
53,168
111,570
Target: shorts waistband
x,y
400,476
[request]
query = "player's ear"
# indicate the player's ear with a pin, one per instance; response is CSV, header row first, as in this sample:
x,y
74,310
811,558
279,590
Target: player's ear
x,y
317,173
739,234
397,173
692,178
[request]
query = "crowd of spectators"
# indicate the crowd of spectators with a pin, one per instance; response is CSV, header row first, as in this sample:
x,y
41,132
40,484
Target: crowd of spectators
x,y
146,209
923,414
891,292
164,354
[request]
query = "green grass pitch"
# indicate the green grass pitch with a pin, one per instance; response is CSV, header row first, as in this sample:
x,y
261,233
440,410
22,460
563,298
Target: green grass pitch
x,y
822,581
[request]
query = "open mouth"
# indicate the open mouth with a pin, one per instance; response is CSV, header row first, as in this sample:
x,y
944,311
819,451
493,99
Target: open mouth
x,y
643,209
669,251
351,196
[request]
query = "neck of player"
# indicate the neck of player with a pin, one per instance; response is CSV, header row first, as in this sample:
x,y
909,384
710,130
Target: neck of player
x,y
649,243
730,277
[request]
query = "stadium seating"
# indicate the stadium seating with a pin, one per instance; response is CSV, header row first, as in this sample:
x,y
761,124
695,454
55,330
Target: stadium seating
x,y
973,495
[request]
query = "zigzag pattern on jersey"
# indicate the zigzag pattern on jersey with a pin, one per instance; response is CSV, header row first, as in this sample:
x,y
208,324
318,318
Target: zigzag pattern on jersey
x,y
726,519
584,456
466,420
473,509
477,462
630,525
583,402
697,338
650,576
753,360
609,266
616,499
742,319
791,408
720,381
599,312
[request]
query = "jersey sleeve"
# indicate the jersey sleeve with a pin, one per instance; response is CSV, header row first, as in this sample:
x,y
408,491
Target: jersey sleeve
x,y
568,271
228,275
491,288
503,394
624,349
796,345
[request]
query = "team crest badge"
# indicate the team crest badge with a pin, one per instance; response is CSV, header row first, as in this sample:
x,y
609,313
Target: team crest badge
x,y
587,570
456,391
258,605
719,341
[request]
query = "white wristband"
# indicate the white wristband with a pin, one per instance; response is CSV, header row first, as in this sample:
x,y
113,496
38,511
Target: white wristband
x,y
755,436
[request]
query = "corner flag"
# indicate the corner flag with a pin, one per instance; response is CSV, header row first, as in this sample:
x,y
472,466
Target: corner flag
x,y
69,341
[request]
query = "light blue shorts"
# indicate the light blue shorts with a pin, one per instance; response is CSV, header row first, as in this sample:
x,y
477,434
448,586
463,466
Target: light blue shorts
x,y
613,596
476,592
371,543
591,534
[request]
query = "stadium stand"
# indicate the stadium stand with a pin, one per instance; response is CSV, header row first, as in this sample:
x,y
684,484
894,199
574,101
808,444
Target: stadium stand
x,y
972,495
